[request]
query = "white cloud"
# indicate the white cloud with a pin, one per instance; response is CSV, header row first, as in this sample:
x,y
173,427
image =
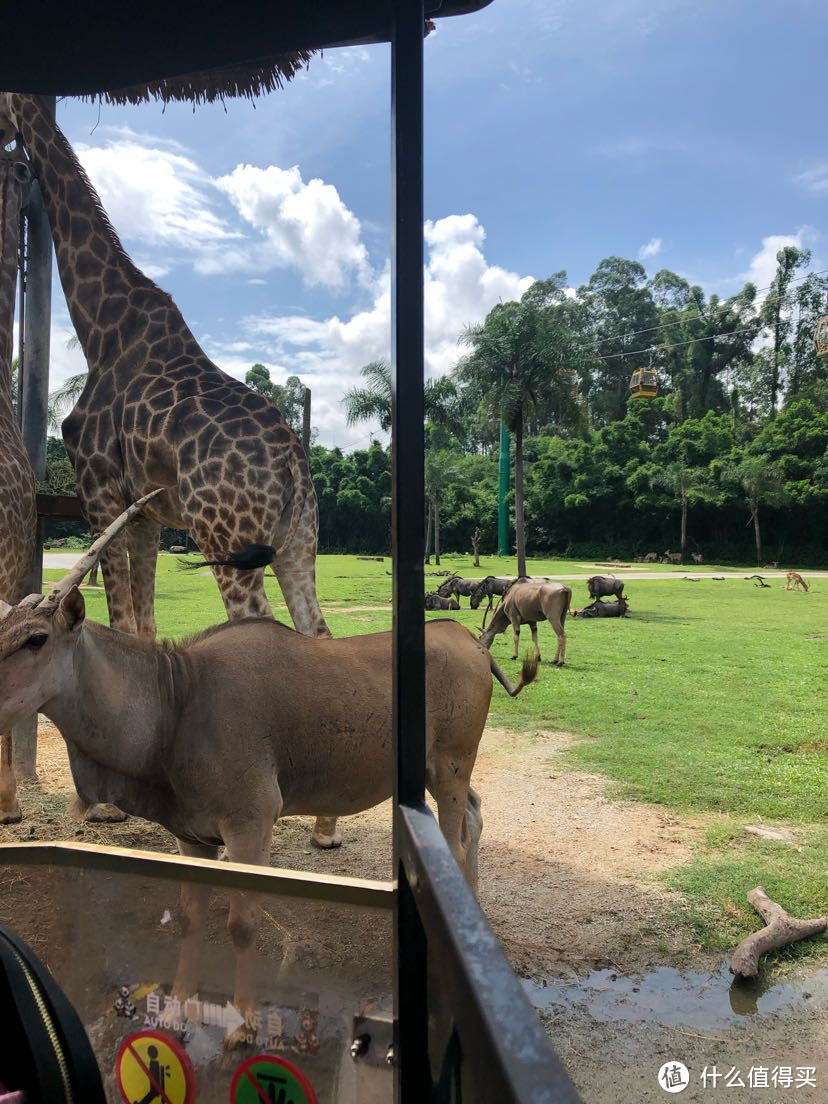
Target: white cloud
x,y
763,263
154,195
815,179
650,249
460,288
304,225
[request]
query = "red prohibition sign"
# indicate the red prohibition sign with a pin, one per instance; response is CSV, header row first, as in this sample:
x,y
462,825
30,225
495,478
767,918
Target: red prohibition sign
x,y
135,1059
254,1076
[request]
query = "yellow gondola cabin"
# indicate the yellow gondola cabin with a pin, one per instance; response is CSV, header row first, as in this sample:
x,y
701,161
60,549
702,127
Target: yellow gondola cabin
x,y
644,383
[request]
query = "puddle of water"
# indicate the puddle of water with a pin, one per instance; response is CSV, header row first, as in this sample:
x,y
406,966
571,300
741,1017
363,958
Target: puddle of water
x,y
668,996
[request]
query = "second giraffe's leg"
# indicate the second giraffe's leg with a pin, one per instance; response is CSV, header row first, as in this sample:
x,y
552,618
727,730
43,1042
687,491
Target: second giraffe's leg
x,y
9,806
142,542
115,568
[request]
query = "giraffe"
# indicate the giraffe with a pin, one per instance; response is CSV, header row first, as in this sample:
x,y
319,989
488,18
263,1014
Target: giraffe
x,y
18,507
156,411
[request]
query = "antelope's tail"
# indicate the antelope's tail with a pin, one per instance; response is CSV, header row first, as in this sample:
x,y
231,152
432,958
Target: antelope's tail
x,y
528,673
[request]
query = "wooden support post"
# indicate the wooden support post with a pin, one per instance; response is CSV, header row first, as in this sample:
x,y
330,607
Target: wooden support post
x,y
306,420
34,405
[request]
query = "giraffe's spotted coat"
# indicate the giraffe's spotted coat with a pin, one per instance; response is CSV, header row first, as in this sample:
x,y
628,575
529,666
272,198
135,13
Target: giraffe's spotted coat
x,y
156,411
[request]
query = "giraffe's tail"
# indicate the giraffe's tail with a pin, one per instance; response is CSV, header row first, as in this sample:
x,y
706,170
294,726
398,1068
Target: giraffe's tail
x,y
302,488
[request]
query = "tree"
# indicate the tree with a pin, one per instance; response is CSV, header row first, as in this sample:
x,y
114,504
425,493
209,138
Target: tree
x,y
622,320
372,403
521,357
258,380
289,396
762,484
440,471
776,314
686,485
63,398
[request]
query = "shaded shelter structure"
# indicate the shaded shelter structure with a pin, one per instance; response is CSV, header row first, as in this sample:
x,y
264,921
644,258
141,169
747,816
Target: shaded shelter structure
x,y
463,1029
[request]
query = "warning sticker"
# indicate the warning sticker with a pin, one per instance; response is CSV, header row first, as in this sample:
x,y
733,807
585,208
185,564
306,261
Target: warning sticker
x,y
269,1080
152,1068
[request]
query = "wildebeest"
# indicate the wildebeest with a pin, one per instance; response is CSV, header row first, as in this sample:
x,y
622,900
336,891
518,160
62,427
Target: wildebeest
x,y
605,586
217,737
457,588
438,602
618,608
487,588
526,603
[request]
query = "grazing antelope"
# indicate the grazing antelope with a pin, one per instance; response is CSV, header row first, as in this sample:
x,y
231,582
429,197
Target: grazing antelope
x,y
526,603
217,737
795,581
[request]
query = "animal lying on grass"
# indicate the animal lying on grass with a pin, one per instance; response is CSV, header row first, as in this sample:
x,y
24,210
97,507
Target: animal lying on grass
x,y
439,602
526,603
217,737
604,609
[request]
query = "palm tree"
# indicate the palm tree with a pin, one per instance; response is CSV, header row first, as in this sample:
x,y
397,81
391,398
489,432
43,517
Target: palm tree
x,y
521,359
63,398
762,484
372,403
688,485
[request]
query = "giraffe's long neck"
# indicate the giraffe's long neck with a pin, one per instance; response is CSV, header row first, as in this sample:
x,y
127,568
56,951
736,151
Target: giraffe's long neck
x,y
13,189
96,273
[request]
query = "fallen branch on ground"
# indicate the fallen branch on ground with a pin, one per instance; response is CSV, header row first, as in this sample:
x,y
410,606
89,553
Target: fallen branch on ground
x,y
780,930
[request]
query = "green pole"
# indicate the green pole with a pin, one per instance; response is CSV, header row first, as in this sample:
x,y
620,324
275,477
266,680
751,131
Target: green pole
x,y
503,494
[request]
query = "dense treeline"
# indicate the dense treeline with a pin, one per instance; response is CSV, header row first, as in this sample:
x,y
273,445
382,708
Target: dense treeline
x,y
730,460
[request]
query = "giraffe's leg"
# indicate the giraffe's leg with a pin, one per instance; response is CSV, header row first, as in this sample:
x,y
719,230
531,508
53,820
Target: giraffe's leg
x,y
9,807
242,592
142,542
115,568
296,571
298,584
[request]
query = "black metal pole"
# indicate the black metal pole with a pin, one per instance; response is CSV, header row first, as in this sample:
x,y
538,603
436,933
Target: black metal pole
x,y
34,405
412,1081
306,419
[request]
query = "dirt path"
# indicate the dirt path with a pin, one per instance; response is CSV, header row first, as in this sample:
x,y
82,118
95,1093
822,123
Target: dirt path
x,y
568,879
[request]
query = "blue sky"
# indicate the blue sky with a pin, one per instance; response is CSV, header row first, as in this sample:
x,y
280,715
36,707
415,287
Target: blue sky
x,y
690,134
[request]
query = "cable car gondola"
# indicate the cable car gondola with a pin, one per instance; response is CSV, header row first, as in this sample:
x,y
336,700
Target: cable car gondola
x,y
821,337
644,383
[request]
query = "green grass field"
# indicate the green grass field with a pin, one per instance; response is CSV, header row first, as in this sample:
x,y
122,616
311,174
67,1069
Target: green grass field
x,y
708,699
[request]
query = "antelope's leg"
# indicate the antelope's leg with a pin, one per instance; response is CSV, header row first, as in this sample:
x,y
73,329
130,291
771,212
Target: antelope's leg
x,y
325,834
516,632
533,628
451,792
193,904
9,806
248,841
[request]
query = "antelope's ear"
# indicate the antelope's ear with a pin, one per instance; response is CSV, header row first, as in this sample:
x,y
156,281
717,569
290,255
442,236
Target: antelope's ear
x,y
5,609
72,610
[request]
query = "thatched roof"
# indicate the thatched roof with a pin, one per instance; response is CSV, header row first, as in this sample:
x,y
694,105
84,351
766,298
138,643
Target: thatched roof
x,y
214,84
